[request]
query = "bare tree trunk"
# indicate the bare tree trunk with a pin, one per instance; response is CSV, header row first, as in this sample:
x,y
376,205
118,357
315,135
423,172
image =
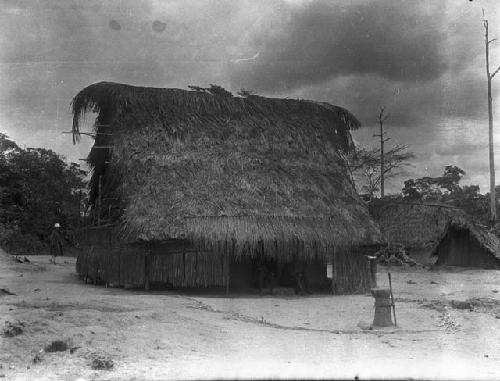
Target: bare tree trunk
x,y
493,210
381,156
381,119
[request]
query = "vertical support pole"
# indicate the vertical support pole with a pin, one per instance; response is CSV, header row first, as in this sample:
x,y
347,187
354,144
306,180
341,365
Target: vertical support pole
x,y
80,208
227,274
334,271
99,199
96,274
146,269
226,251
196,283
119,267
373,271
184,264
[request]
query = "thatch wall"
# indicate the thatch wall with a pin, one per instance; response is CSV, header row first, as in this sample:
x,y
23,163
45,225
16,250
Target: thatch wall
x,y
411,224
351,271
178,263
234,175
136,266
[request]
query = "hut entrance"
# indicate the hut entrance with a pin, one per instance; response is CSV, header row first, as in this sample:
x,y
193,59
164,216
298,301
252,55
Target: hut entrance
x,y
269,273
266,273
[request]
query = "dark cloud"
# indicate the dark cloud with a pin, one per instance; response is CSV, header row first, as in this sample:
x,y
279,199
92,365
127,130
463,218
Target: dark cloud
x,y
412,105
397,40
465,148
422,59
51,50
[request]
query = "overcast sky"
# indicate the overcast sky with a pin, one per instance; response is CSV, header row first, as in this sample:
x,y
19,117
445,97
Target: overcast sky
x,y
423,60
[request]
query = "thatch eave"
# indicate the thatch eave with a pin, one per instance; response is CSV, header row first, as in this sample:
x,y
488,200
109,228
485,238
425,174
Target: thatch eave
x,y
105,95
277,236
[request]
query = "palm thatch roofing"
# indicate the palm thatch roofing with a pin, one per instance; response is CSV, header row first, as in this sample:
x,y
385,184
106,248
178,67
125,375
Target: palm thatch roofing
x,y
252,173
423,226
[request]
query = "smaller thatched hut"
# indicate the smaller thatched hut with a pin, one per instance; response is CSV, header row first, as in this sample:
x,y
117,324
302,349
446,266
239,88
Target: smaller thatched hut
x,y
199,187
437,234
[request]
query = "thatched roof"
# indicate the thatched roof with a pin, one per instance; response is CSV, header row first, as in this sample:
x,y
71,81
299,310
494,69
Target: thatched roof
x,y
420,225
248,172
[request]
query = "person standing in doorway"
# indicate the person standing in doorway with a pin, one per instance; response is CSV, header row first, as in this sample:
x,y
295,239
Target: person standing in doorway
x,y
56,244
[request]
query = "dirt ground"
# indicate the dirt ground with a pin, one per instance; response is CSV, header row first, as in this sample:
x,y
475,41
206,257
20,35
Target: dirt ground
x,y
166,335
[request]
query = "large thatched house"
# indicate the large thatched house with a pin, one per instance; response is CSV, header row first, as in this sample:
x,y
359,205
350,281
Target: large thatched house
x,y
195,187
437,234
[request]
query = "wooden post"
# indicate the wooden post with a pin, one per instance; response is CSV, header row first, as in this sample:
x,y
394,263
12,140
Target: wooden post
x,y
119,267
373,271
146,269
228,266
227,274
184,264
89,263
80,208
196,268
222,265
146,280
99,199
334,271
96,272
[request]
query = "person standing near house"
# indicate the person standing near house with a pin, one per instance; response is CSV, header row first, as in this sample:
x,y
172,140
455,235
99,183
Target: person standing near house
x,y
56,244
301,283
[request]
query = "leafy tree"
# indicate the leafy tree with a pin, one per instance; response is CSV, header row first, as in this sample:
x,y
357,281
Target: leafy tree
x,y
447,189
436,188
451,177
425,188
37,188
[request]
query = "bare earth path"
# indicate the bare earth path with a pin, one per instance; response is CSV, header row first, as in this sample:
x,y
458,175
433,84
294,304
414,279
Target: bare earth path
x,y
164,335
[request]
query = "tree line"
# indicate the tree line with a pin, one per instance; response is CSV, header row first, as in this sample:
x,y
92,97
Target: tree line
x,y
364,164
37,189
370,167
